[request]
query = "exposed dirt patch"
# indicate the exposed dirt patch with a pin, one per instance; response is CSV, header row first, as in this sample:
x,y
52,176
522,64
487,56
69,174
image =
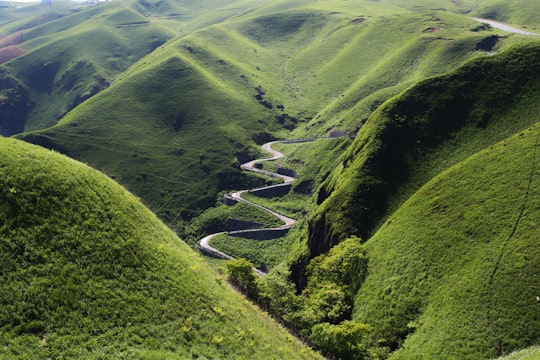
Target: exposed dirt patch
x,y
431,30
135,23
358,21
10,52
12,39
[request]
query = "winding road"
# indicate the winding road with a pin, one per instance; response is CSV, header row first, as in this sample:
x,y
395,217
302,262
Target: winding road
x,y
204,244
505,27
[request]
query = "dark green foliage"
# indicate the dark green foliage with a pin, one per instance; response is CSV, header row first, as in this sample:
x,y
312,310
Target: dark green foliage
x,y
14,105
343,341
278,294
333,279
328,297
345,264
241,274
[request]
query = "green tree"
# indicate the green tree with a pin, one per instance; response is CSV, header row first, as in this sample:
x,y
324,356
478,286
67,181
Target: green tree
x,y
241,274
330,302
346,264
327,300
278,294
343,341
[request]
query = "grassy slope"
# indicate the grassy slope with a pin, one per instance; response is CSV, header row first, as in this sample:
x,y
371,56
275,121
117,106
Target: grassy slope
x,y
266,56
148,129
390,53
454,269
527,354
523,14
407,142
74,51
88,272
520,12
14,14
75,56
420,133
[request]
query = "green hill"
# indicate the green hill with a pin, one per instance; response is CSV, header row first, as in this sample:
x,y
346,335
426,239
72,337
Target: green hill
x,y
88,272
169,97
289,69
70,51
70,57
451,233
452,273
416,135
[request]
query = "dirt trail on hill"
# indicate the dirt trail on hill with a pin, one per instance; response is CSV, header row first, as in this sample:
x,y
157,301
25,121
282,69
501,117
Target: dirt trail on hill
x,y
204,245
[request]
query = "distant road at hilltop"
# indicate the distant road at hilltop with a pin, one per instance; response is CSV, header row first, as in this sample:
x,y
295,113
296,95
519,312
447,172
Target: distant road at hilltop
x,y
505,27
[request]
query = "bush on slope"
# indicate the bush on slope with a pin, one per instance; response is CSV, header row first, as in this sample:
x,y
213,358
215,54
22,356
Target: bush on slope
x,y
88,272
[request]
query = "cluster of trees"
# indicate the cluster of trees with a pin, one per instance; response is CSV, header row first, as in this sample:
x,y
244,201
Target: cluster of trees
x,y
320,313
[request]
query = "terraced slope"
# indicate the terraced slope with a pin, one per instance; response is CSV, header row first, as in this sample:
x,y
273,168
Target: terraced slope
x,y
88,272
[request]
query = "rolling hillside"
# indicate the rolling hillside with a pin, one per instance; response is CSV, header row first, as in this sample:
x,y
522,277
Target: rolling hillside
x,y
287,69
447,213
88,272
70,55
453,271
66,53
418,134
416,233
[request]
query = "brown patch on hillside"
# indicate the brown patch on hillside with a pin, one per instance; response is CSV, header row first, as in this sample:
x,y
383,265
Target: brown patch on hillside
x,y
10,52
12,39
358,21
432,30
